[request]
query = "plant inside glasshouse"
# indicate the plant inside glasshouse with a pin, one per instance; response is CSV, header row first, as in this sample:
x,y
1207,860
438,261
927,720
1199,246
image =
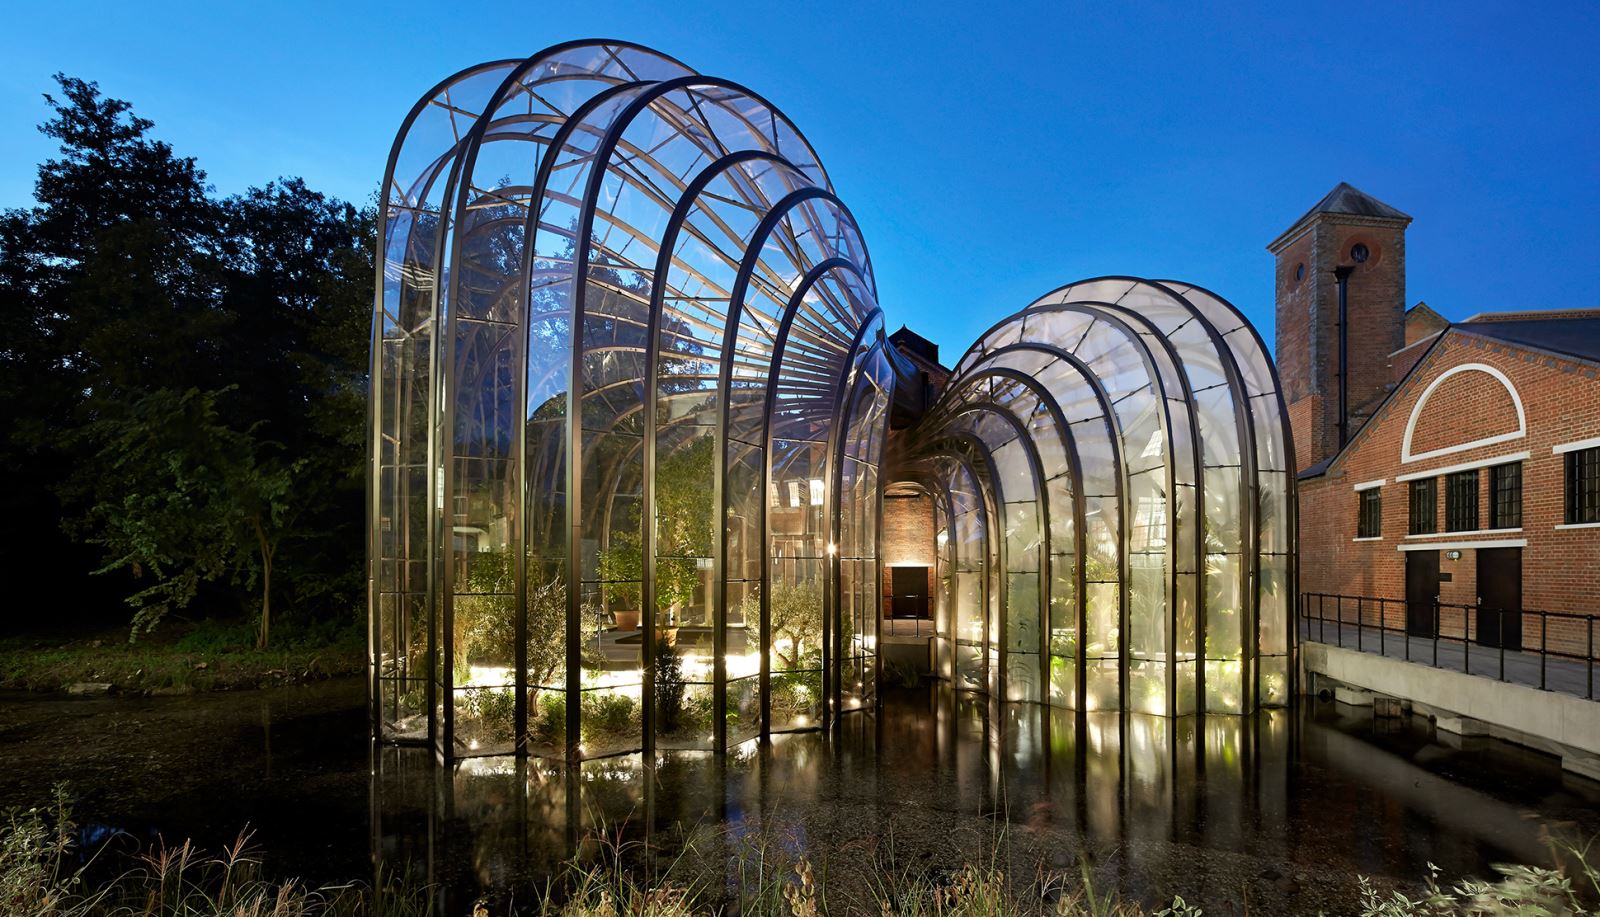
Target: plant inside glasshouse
x,y
677,379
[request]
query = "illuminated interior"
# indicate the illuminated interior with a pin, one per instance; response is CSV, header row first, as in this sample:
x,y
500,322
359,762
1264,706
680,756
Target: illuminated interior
x,y
630,418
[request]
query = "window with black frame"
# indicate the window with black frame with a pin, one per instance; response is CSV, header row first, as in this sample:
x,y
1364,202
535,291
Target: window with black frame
x,y
1424,506
1461,501
1505,496
1583,486
1369,519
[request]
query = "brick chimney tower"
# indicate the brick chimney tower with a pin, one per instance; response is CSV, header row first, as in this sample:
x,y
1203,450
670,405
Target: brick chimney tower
x,y
1333,376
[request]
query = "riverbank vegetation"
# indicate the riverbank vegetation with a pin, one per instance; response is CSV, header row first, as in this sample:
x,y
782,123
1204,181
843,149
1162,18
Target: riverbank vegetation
x,y
44,873
182,657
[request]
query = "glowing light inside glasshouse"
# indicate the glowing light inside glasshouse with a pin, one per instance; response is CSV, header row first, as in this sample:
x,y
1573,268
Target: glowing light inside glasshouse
x,y
631,401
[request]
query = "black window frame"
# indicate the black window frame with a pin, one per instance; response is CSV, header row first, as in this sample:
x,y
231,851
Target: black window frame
x,y
1369,513
1461,501
1505,496
1424,506
1582,498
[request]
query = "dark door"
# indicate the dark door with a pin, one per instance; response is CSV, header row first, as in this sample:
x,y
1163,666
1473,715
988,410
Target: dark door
x,y
1500,597
1422,588
910,586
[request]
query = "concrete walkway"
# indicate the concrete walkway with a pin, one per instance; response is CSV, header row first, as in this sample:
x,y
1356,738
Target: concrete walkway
x,y
1567,676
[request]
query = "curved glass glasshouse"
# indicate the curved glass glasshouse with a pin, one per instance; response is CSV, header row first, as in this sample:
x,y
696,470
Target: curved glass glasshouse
x,y
632,401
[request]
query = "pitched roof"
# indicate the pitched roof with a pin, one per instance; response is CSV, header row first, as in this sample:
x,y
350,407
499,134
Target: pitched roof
x,y
1345,199
1575,337
1572,333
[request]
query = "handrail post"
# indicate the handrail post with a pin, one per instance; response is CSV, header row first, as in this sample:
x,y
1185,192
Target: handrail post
x,y
1591,657
1466,643
1437,620
1408,628
1383,605
1361,621
1544,644
1500,616
1338,609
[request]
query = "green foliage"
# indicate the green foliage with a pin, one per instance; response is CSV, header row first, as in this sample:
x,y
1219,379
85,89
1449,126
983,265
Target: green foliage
x,y
180,498
182,658
609,718
795,694
669,686
43,873
135,300
495,709
795,617
486,625
548,728
622,569
684,531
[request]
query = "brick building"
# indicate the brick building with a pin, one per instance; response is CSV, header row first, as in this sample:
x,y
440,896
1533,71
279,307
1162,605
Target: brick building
x,y
1464,468
908,527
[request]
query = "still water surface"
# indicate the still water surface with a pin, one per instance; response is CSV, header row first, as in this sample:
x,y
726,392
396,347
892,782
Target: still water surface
x,y
1281,810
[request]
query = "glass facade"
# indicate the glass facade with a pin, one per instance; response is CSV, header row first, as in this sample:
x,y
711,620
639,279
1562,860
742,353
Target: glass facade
x,y
1115,457
631,400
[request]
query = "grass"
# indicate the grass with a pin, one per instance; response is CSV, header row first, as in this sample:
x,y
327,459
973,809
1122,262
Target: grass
x,y
43,874
182,657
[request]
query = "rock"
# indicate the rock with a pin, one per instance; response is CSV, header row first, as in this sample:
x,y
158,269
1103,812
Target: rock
x,y
89,688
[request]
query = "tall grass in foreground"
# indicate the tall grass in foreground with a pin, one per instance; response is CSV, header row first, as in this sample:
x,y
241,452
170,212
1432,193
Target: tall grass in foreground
x,y
43,875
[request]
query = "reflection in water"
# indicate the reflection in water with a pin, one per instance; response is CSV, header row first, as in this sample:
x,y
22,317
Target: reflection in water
x,y
1270,807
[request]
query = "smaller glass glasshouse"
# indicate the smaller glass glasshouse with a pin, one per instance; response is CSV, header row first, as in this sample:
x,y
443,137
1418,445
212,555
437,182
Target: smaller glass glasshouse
x,y
634,413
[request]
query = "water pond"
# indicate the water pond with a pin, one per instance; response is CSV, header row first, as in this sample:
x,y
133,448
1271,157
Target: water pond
x,y
1282,810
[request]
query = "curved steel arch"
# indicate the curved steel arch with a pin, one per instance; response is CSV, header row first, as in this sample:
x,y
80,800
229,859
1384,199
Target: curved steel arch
x,y
1075,473
1157,346
677,269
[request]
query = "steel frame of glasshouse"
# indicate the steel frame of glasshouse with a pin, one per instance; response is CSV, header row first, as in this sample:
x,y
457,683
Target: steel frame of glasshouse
x,y
1136,427
594,264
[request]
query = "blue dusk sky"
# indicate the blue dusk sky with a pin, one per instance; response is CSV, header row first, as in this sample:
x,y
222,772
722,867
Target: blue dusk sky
x,y
990,151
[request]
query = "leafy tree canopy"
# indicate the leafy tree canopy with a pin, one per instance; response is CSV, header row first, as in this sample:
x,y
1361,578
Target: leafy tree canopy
x,y
138,302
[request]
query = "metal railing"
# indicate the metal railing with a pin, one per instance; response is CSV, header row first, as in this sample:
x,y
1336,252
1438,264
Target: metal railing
x,y
907,627
1416,632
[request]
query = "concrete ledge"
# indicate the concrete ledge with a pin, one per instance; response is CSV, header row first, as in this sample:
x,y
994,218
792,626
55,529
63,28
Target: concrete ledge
x,y
1461,725
1355,697
1466,705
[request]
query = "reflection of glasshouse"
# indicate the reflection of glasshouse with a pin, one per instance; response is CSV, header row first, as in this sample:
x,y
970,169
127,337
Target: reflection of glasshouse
x,y
631,393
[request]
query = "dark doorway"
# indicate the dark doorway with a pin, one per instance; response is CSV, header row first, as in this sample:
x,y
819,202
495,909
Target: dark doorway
x,y
1422,589
910,585
1500,597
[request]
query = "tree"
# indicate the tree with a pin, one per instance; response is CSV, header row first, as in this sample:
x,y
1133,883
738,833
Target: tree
x,y
107,289
183,499
131,293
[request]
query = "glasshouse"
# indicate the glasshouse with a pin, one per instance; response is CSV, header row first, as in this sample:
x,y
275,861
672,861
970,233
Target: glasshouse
x,y
635,411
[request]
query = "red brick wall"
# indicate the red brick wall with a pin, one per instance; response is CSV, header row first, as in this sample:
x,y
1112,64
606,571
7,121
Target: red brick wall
x,y
1402,360
1423,323
908,539
1439,427
1560,567
1308,325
